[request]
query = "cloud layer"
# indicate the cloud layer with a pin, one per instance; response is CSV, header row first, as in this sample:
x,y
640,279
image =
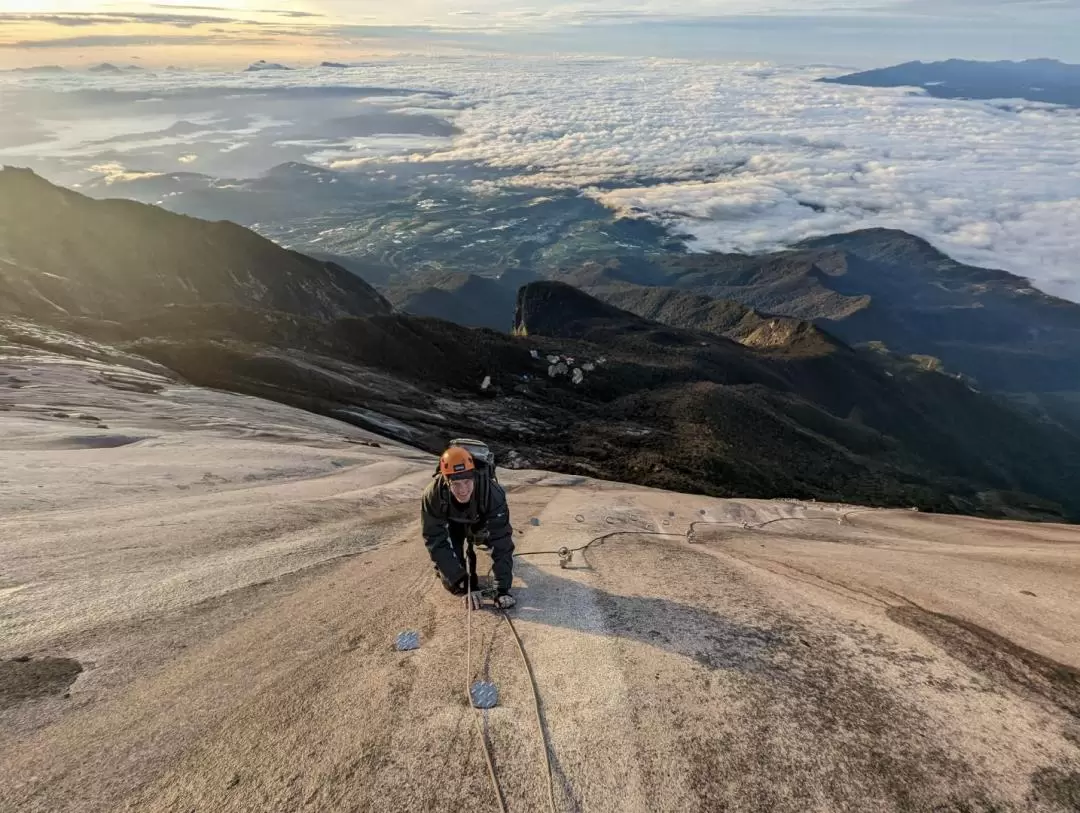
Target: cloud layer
x,y
752,158
744,157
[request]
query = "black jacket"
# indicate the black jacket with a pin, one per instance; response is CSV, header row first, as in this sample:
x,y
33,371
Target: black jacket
x,y
438,510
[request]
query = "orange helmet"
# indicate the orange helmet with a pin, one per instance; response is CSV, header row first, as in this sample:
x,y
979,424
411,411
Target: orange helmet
x,y
456,464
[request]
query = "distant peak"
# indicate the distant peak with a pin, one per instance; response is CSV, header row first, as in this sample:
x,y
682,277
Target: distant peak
x,y
875,234
1040,80
551,308
41,69
263,65
294,168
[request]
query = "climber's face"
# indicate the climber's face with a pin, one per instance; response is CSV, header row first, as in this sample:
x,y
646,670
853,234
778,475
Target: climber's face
x,y
462,489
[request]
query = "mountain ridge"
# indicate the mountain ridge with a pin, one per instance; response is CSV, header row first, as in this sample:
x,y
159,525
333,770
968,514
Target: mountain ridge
x,y
876,287
889,286
258,270
653,404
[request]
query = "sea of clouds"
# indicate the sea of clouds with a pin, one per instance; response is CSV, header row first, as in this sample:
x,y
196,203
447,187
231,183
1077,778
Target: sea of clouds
x,y
743,157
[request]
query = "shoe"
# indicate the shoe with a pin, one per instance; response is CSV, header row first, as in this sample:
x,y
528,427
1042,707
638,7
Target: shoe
x,y
505,601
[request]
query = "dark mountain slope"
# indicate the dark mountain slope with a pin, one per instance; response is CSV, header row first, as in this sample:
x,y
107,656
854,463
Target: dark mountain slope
x,y
793,283
654,404
118,259
474,301
667,408
853,408
892,287
693,311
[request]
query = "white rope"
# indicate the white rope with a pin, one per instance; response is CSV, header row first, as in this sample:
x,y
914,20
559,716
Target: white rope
x,y
468,681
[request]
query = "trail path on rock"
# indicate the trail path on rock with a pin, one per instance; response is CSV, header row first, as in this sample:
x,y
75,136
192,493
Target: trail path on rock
x,y
231,576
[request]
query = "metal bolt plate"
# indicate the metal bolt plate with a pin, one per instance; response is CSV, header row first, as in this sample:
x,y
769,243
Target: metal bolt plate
x,y
408,640
484,695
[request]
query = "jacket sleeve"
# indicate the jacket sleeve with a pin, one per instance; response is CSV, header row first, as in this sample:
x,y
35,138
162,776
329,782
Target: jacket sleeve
x,y
500,536
498,515
437,535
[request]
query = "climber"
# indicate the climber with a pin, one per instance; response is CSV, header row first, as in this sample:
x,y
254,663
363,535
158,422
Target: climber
x,y
464,505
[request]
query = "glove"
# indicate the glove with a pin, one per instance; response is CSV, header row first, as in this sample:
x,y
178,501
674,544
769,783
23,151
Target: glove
x,y
456,588
461,586
481,538
474,600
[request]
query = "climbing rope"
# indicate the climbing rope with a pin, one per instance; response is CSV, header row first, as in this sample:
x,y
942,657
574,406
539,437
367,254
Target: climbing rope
x,y
468,686
535,693
594,540
687,535
490,764
536,707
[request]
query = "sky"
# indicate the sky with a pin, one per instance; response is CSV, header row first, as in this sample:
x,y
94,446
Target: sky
x,y
857,33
